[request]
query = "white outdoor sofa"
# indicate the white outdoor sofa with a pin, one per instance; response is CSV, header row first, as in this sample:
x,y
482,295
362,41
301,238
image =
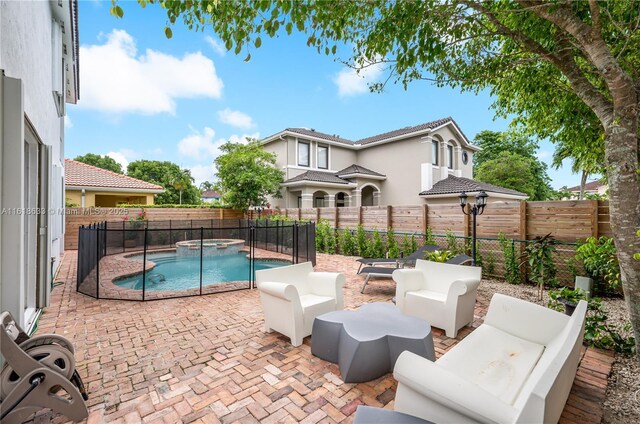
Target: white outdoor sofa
x,y
440,293
293,296
518,367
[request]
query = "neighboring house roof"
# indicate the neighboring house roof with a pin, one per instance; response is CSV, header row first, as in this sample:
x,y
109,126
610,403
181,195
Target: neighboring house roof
x,y
357,169
406,130
339,177
379,138
456,185
593,185
211,193
313,133
80,175
317,176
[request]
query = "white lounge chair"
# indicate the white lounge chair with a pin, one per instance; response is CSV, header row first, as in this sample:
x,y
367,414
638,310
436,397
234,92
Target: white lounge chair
x,y
292,296
440,293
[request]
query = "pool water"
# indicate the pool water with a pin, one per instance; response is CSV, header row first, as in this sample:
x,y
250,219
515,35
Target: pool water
x,y
183,272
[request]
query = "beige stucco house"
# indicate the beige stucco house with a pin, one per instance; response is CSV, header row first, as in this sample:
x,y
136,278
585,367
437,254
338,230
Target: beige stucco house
x,y
89,186
395,168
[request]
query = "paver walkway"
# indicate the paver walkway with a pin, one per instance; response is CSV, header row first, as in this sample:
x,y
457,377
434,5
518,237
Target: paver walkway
x,y
206,360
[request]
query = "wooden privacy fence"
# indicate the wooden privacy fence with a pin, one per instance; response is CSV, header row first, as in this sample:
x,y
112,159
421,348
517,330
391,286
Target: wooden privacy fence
x,y
567,221
76,217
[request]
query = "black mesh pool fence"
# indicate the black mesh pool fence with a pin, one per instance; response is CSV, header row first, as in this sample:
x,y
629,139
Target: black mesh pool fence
x,y
149,260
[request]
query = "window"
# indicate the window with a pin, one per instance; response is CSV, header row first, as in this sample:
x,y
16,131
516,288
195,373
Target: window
x,y
323,157
303,154
465,157
450,157
434,152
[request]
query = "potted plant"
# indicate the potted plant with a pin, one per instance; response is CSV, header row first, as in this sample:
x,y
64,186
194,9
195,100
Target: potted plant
x,y
567,297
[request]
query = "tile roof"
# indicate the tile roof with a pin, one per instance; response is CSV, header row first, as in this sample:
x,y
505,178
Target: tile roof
x,y
210,193
452,184
357,169
317,176
368,140
405,130
83,175
318,134
593,185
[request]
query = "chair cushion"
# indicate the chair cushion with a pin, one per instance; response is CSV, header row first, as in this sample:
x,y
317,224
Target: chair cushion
x,y
428,294
494,360
314,305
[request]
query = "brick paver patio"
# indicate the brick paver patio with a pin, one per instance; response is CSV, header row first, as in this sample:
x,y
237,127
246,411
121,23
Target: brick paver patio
x,y
205,359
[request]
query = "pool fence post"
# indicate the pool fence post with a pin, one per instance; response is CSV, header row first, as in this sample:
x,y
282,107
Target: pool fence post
x,y
170,234
144,265
97,263
201,247
123,238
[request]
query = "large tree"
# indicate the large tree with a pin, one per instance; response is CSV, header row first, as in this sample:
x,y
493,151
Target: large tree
x,y
545,61
520,148
510,170
177,183
247,175
104,162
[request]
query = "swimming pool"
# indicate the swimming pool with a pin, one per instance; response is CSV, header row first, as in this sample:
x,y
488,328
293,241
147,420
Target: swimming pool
x,y
174,272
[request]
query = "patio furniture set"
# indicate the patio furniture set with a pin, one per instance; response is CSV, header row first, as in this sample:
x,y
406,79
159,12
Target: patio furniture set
x,y
518,366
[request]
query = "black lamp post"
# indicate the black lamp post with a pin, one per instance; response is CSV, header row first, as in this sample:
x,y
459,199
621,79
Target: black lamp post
x,y
475,210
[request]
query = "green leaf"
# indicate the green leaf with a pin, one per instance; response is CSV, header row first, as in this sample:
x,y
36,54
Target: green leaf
x,y
258,42
167,32
248,58
116,11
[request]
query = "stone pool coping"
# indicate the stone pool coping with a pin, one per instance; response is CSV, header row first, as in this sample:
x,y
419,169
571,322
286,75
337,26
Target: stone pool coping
x,y
119,266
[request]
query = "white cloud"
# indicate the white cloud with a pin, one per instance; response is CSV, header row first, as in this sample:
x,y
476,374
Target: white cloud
x,y
543,154
243,138
216,45
67,122
121,158
235,118
196,145
350,82
116,79
201,173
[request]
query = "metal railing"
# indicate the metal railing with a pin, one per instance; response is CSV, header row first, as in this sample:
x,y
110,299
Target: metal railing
x,y
120,260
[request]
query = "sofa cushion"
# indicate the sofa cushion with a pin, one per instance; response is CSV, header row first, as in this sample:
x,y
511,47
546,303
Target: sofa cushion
x,y
494,360
428,294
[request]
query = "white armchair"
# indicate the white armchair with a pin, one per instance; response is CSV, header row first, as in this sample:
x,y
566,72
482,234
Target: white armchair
x,y
443,294
292,296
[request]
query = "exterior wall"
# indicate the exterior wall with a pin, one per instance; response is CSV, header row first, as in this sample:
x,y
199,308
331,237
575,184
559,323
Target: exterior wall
x,y
401,162
26,29
108,198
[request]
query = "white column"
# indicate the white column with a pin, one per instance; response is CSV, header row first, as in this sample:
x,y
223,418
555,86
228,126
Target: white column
x,y
356,198
426,176
330,201
307,200
377,198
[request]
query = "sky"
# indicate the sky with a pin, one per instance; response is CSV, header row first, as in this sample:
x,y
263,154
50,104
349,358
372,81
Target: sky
x,y
143,96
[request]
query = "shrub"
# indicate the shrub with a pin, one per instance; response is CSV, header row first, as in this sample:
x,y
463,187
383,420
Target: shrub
x,y
452,243
439,255
491,264
599,259
392,244
405,245
429,237
348,245
539,256
376,247
361,241
511,267
414,243
597,332
325,237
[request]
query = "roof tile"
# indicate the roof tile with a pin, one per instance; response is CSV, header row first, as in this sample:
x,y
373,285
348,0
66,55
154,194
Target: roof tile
x,y
452,184
83,175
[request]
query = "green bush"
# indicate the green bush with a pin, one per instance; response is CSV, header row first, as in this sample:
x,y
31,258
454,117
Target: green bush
x,y
361,241
539,256
405,245
429,237
439,255
599,259
511,267
376,246
452,243
392,244
597,332
323,236
414,243
348,245
173,206
491,264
